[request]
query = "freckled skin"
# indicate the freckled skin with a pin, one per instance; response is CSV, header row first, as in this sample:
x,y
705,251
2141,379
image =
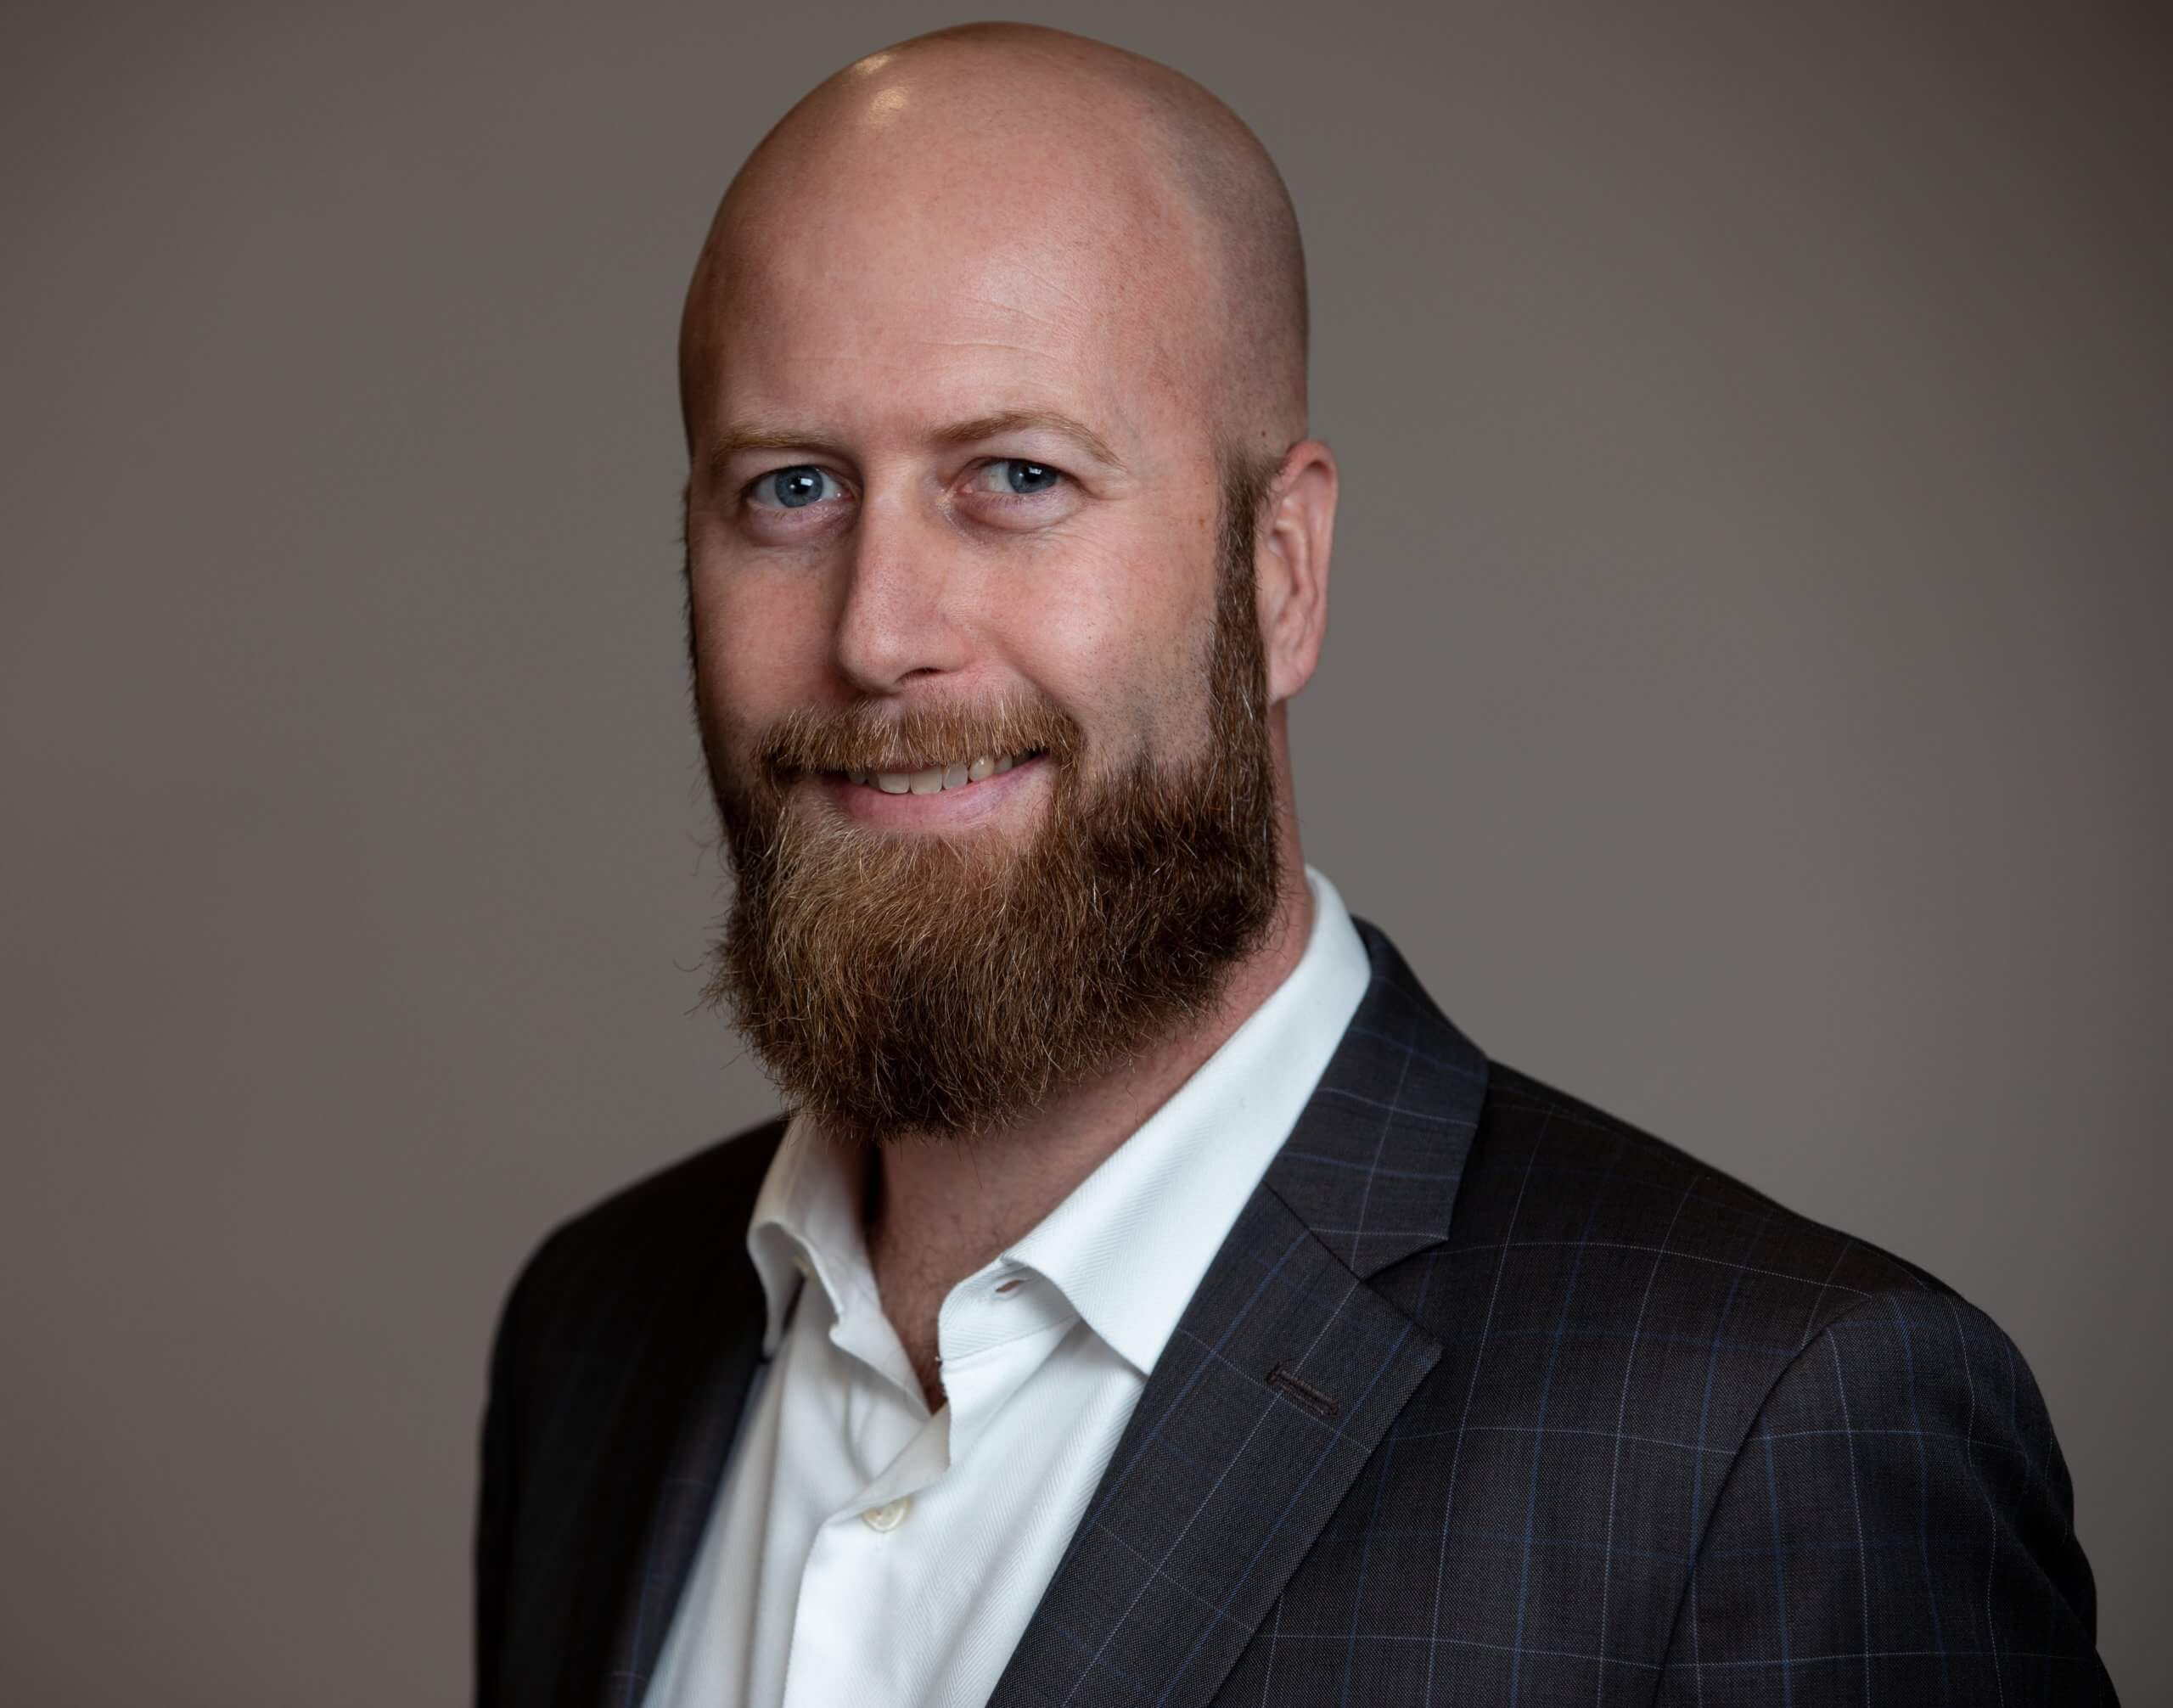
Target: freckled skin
x,y
1002,219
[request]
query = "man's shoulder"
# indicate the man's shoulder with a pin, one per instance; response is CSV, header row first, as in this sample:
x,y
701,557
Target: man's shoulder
x,y
605,1260
1620,1327
1548,1172
1611,1251
1563,1193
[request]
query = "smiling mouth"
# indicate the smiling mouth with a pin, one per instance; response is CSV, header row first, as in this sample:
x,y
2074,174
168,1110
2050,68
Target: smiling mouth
x,y
936,779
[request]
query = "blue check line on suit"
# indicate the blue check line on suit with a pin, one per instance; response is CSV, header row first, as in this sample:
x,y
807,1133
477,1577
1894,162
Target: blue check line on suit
x,y
1780,1570
1518,1537
1302,1291
1366,1544
1622,1408
1137,1686
1856,1499
1923,1499
1456,1459
1379,1370
1847,1544
1206,1473
1222,1612
1580,1544
1655,1666
1919,1435
1992,1559
1511,1648
1546,1387
1563,1430
1902,1654
1859,1320
1512,1539
1698,1466
1768,1438
1115,1485
1705,1420
1184,1589
1757,1348
1159,1568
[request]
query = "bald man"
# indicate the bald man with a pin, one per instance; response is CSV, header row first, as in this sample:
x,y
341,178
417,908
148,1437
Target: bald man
x,y
1149,1296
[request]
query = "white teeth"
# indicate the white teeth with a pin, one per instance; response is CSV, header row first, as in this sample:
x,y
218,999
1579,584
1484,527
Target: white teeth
x,y
934,779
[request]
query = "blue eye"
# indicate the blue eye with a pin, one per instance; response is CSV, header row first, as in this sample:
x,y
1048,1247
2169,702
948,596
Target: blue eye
x,y
1018,476
1030,477
794,488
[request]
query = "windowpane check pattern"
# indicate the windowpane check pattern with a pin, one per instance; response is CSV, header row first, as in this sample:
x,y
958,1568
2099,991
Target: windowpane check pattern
x,y
1489,1398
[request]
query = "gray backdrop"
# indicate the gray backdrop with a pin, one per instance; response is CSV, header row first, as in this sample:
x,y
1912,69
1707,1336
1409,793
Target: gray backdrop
x,y
1745,701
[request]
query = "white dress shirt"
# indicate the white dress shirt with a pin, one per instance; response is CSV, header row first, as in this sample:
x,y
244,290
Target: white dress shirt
x,y
862,1553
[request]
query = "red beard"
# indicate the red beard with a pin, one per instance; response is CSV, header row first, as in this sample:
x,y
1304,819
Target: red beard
x,y
896,985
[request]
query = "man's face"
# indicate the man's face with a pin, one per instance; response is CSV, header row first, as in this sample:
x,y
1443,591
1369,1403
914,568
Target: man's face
x,y
985,471
955,504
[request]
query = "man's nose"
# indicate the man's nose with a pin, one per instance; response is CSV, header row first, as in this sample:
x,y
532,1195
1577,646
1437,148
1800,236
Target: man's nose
x,y
899,620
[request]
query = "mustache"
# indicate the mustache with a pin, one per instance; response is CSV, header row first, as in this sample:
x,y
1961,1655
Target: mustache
x,y
866,737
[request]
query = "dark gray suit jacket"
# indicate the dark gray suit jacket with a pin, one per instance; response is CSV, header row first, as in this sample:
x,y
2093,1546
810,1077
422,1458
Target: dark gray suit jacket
x,y
1487,1398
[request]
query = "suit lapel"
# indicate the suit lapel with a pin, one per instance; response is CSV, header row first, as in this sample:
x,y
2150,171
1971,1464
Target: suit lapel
x,y
656,1465
682,1492
1283,1375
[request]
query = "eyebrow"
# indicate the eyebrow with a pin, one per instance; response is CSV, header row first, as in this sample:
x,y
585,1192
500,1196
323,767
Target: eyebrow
x,y
981,427
754,436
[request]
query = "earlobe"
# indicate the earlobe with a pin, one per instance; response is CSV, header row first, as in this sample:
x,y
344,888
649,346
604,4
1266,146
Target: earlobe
x,y
1292,564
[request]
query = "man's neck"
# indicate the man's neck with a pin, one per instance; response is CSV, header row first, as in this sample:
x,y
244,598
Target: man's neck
x,y
937,1212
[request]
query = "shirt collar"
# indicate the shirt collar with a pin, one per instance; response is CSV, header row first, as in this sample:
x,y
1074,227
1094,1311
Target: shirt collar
x,y
1128,1247
807,1223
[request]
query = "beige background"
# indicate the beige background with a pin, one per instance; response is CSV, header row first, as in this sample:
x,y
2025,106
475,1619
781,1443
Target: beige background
x,y
1746,703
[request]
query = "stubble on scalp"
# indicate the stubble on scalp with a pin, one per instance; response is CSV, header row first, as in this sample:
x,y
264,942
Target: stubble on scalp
x,y
946,985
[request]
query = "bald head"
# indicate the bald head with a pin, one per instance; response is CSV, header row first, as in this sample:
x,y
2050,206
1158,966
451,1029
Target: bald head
x,y
1142,202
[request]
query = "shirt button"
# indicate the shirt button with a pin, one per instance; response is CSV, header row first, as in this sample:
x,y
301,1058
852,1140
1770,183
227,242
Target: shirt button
x,y
807,1269
888,1516
1004,1289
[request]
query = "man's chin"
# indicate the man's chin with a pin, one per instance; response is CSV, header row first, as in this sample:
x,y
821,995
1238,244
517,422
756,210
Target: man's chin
x,y
903,975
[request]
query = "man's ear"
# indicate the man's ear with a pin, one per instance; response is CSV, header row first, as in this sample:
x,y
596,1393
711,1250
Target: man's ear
x,y
1290,566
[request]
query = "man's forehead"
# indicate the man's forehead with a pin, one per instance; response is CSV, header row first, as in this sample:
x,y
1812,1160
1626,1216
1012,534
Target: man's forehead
x,y
943,278
1004,187
863,323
